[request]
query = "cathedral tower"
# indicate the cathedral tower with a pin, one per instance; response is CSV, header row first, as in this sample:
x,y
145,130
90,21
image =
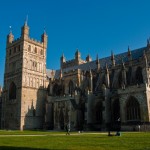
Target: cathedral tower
x,y
24,81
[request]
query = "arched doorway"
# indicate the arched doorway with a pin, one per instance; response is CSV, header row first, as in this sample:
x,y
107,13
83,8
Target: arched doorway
x,y
133,110
115,110
116,114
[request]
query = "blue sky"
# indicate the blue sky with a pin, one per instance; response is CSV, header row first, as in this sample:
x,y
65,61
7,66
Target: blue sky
x,y
92,26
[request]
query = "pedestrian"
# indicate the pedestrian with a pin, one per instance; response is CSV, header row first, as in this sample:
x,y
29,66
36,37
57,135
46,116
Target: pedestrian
x,y
139,128
67,127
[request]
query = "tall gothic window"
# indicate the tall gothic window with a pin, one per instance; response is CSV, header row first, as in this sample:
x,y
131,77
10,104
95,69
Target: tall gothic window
x,y
55,89
12,91
129,76
133,109
70,87
139,76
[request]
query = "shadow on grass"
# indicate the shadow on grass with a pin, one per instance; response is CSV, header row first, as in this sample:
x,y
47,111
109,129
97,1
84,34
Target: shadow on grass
x,y
22,148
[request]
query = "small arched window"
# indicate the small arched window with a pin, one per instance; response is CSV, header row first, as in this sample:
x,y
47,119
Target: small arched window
x,y
71,87
35,50
29,48
12,91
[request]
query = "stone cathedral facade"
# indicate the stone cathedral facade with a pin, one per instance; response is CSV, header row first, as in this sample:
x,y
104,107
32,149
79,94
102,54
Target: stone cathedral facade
x,y
89,95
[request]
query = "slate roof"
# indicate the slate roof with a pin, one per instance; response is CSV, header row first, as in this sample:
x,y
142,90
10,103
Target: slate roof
x,y
136,54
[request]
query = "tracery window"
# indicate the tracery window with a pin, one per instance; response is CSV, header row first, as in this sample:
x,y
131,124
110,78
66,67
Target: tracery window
x,y
70,87
133,109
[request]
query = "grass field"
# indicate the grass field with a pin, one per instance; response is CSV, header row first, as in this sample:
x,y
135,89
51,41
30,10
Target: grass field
x,y
33,140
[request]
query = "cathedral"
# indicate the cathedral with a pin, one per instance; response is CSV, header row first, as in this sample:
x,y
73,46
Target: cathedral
x,y
86,94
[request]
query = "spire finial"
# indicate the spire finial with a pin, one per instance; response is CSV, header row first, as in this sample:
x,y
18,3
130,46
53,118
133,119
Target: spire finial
x,y
129,52
144,54
128,48
112,55
123,66
90,71
106,67
26,21
63,55
97,57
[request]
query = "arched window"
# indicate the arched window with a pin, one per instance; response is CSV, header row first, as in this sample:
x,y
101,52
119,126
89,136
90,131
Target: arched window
x,y
12,91
35,50
98,112
70,87
139,76
55,89
29,48
133,109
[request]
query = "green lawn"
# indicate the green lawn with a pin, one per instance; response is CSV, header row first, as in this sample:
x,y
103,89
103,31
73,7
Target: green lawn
x,y
20,140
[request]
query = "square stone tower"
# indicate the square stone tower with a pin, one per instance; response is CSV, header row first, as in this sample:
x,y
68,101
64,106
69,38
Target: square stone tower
x,y
24,82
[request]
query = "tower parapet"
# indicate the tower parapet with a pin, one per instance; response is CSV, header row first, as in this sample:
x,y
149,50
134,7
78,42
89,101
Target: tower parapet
x,y
25,31
72,62
10,38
